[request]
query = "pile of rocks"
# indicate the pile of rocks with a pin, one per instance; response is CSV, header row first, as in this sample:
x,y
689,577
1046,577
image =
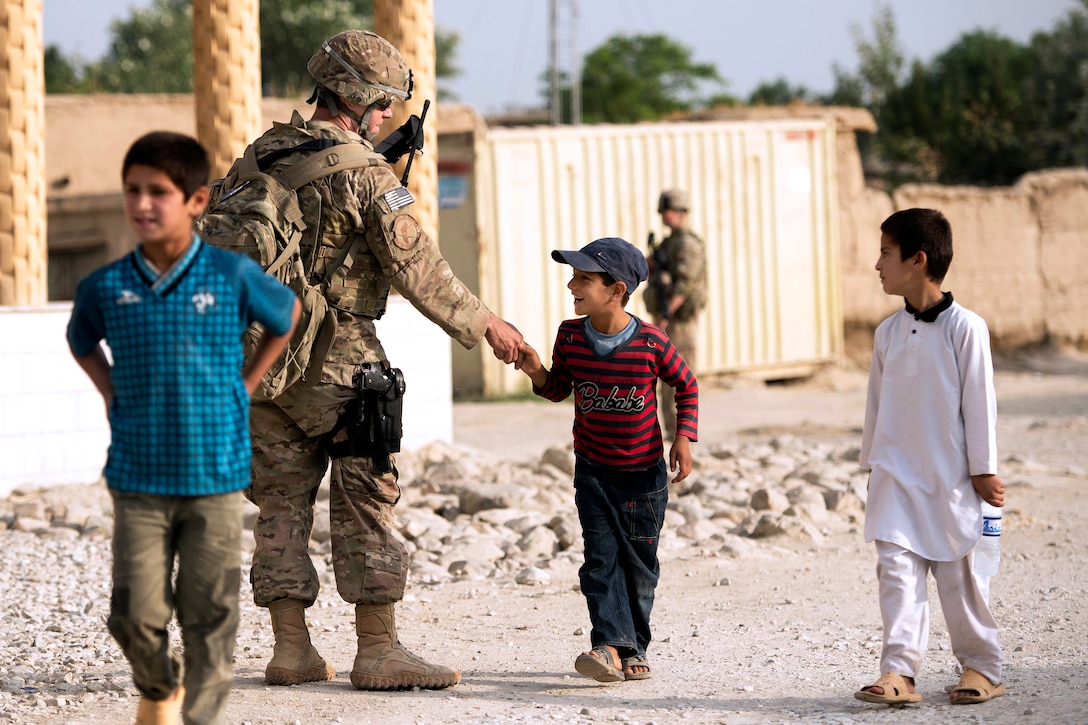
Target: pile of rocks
x,y
465,514
461,507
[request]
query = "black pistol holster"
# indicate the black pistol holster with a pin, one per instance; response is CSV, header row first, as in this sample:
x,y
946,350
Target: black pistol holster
x,y
373,422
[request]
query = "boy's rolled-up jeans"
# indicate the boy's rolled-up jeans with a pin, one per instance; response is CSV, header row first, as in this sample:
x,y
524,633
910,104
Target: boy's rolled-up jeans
x,y
621,513
203,534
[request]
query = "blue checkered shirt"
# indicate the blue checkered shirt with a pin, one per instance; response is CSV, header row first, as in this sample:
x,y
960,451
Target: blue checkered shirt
x,y
179,418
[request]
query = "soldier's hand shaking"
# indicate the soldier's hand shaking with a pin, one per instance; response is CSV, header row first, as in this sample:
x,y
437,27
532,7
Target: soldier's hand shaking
x,y
504,339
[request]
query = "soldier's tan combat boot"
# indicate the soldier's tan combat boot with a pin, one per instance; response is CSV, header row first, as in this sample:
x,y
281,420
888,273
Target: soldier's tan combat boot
x,y
294,659
160,712
383,664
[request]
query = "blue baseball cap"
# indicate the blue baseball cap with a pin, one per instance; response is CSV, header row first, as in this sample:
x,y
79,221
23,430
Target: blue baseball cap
x,y
611,255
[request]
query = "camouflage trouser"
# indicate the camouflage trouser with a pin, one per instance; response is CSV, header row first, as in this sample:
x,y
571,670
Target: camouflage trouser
x,y
683,336
289,461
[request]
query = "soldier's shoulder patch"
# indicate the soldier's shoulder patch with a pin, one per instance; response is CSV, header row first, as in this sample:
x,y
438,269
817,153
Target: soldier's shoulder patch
x,y
398,198
406,232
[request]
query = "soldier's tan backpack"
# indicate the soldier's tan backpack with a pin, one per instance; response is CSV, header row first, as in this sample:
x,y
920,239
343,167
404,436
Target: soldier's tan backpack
x,y
259,214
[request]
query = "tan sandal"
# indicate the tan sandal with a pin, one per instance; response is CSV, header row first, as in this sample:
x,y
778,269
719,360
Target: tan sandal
x,y
630,663
978,685
896,691
599,664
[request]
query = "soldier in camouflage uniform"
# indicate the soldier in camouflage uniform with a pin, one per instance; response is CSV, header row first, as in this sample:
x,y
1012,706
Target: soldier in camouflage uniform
x,y
677,290
359,75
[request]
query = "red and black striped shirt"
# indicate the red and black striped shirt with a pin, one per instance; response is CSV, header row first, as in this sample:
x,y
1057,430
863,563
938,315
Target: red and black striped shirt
x,y
615,398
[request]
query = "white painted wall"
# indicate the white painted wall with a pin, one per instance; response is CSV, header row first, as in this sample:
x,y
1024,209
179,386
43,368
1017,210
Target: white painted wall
x,y
53,427
52,421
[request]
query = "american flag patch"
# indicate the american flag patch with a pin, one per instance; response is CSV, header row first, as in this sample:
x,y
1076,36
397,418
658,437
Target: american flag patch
x,y
398,198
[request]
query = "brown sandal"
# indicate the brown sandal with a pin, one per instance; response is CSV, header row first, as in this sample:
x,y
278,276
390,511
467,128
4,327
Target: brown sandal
x,y
896,691
978,685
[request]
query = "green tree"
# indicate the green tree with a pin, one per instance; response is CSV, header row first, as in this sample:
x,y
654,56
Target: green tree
x,y
1056,93
779,92
880,65
62,74
291,31
962,118
849,88
445,61
151,51
641,78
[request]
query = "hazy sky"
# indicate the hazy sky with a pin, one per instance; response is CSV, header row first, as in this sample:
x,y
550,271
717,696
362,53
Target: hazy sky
x,y
504,45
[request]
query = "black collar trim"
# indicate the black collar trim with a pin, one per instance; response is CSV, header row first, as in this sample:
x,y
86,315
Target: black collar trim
x,y
931,314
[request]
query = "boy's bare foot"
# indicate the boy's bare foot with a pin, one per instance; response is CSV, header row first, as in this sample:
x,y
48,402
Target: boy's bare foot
x,y
636,667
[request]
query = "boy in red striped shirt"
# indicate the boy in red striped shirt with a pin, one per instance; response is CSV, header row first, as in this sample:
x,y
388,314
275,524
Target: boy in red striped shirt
x,y
611,361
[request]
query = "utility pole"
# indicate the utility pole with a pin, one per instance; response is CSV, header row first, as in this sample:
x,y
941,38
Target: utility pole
x,y
555,110
575,67
565,62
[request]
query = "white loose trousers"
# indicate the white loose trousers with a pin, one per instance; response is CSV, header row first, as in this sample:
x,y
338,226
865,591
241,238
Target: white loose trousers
x,y
904,608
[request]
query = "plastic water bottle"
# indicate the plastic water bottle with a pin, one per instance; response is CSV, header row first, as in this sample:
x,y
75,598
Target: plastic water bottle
x,y
988,551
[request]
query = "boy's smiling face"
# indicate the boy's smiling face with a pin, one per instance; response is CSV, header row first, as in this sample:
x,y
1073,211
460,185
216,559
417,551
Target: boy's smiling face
x,y
157,209
591,294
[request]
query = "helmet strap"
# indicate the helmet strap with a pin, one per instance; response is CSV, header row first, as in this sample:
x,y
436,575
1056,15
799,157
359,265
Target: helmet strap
x,y
364,123
328,99
361,120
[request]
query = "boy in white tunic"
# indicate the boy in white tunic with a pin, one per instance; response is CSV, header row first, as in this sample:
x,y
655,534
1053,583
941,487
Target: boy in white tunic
x,y
930,446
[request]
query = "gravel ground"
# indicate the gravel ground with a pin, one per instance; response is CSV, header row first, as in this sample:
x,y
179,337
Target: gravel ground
x,y
763,615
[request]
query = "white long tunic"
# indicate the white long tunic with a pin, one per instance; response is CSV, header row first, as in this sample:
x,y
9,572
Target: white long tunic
x,y
929,426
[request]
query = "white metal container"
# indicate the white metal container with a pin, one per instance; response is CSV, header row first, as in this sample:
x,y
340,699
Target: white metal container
x,y
763,200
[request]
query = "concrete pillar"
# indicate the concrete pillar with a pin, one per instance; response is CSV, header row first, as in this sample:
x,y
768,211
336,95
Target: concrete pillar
x,y
226,78
409,25
23,251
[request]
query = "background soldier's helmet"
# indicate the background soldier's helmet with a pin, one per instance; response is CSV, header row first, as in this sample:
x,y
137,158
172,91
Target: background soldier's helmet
x,y
673,199
362,67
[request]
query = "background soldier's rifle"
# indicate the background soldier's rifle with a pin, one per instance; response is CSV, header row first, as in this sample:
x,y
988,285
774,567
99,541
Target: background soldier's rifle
x,y
660,279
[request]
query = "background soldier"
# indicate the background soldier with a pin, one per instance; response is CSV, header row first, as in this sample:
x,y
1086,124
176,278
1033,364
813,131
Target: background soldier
x,y
676,293
359,75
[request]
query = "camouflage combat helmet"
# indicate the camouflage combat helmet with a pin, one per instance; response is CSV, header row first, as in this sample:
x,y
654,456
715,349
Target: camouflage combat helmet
x,y
362,67
673,199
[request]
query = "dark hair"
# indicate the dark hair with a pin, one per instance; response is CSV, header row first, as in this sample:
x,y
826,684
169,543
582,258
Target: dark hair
x,y
178,156
922,230
608,280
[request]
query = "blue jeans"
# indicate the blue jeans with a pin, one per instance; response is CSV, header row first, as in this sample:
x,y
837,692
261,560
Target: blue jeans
x,y
621,513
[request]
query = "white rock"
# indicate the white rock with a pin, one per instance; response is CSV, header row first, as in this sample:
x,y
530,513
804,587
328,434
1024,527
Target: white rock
x,y
533,576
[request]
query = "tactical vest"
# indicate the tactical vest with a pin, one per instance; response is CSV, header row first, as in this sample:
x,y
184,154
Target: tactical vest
x,y
696,297
360,285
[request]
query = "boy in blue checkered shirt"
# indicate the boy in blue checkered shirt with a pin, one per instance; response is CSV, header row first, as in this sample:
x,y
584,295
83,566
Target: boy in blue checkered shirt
x,y
177,393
